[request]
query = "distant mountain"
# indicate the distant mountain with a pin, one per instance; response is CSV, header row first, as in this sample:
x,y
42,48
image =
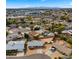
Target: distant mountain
x,y
39,8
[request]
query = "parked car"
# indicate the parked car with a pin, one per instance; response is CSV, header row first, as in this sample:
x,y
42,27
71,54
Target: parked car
x,y
53,49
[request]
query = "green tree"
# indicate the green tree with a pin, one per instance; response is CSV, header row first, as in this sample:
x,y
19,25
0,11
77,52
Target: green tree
x,y
11,21
69,41
29,17
7,33
60,28
26,36
65,17
60,58
36,36
55,58
22,20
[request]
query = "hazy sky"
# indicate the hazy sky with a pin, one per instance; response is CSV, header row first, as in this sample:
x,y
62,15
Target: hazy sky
x,y
38,3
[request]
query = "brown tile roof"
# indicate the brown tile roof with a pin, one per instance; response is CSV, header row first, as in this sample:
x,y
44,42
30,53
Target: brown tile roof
x,y
33,33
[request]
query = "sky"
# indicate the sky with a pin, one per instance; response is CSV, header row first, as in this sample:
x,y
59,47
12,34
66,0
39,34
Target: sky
x,y
38,3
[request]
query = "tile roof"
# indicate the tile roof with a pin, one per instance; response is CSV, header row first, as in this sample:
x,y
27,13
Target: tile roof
x,y
33,33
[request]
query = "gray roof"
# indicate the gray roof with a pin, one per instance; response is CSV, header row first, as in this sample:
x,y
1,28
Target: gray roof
x,y
67,31
35,43
51,34
48,33
39,31
14,30
12,36
35,56
13,45
13,25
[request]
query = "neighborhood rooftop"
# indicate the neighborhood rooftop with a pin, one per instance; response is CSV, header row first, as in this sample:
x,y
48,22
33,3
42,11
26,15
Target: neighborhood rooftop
x,y
15,45
35,43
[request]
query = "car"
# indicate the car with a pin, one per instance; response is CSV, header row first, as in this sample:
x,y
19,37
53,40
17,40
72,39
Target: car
x,y
53,49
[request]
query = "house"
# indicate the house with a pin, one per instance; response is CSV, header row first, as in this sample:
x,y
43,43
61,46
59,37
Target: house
x,y
48,37
25,30
33,34
68,32
48,34
35,44
43,36
14,36
14,30
40,31
13,26
14,47
37,27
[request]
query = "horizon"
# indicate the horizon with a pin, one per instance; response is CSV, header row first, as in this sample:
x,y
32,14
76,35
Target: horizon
x,y
38,3
39,7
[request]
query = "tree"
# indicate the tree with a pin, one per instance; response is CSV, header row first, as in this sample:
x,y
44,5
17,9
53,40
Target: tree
x,y
66,38
65,17
60,58
11,21
22,20
62,37
48,13
26,36
29,17
7,33
36,28
57,28
55,58
69,41
36,36
25,46
61,28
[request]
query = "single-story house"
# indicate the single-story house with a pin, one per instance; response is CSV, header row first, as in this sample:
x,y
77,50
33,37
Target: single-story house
x,y
32,34
25,30
14,30
35,44
13,26
69,32
40,31
44,34
16,46
47,33
47,37
13,36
